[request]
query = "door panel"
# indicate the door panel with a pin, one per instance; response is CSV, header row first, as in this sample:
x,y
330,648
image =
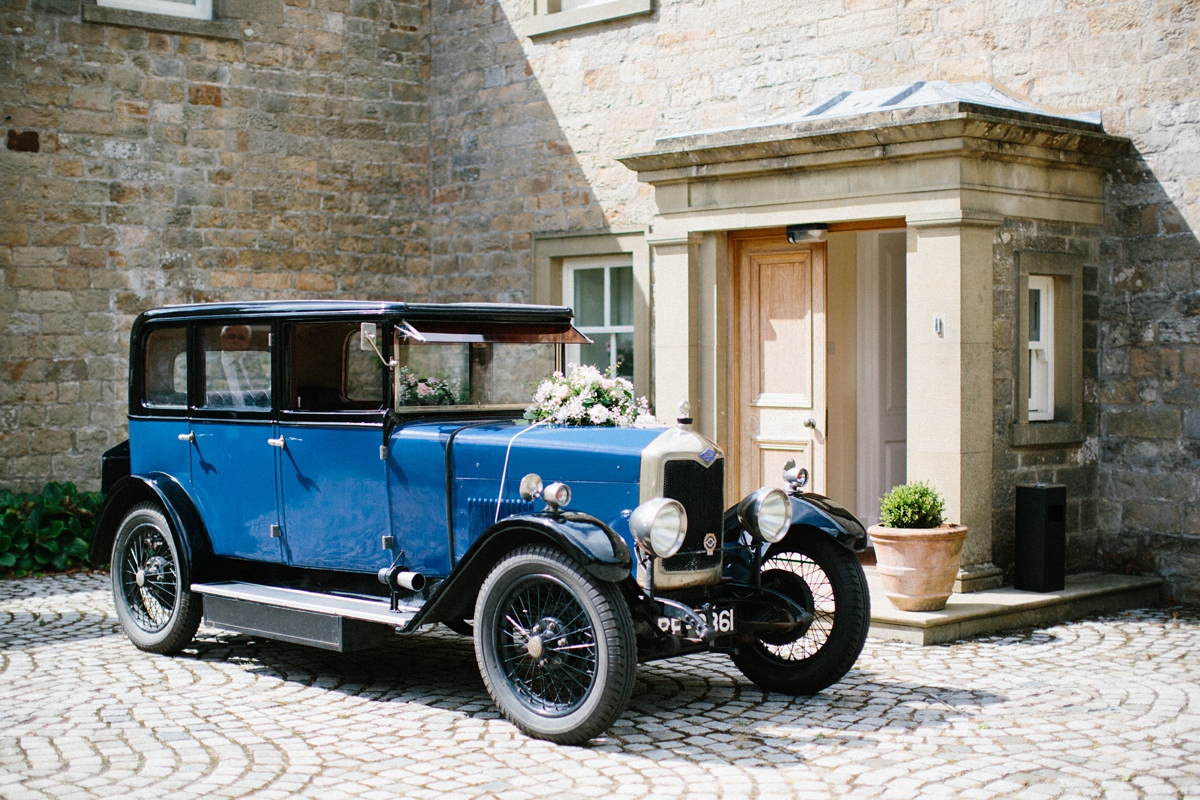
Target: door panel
x,y
882,371
335,504
233,482
779,344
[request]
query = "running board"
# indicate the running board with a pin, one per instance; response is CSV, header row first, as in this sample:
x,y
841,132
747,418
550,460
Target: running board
x,y
332,622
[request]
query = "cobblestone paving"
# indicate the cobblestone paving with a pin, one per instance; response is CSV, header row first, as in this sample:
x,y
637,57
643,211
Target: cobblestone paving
x,y
1103,708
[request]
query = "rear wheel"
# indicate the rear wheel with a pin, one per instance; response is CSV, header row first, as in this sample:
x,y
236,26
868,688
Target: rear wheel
x,y
555,646
826,579
156,611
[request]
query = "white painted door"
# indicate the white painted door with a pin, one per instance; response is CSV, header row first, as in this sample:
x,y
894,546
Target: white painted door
x,y
882,382
780,361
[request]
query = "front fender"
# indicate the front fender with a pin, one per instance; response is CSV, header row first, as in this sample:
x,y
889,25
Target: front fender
x,y
812,511
818,511
191,536
589,541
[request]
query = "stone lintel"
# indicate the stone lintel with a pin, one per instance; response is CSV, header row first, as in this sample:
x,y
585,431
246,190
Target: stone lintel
x,y
937,131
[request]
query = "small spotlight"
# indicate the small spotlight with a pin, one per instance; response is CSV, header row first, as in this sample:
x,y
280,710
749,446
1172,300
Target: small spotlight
x,y
812,232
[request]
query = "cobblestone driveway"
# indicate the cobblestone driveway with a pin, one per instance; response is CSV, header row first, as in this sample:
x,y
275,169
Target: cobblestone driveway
x,y
1105,708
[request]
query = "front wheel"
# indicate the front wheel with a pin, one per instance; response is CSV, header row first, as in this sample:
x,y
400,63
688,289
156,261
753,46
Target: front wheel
x,y
156,611
827,580
555,645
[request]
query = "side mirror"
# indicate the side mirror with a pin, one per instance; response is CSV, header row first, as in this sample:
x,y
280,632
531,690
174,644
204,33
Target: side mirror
x,y
368,332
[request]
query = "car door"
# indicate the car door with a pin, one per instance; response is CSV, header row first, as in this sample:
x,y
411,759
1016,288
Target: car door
x,y
235,446
332,474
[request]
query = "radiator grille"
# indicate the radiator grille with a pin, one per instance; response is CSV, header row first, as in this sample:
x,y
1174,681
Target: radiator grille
x,y
701,491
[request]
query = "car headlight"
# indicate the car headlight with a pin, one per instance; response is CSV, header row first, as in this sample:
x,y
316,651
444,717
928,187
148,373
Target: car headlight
x,y
767,514
659,526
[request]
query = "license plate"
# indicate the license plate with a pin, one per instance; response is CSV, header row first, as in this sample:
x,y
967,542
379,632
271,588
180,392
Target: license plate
x,y
720,621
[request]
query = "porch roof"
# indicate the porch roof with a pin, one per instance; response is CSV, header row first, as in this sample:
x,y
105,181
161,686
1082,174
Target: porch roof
x,y
894,121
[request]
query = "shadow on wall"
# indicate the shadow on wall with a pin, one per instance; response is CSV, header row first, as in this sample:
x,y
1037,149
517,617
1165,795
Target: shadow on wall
x,y
1149,384
502,168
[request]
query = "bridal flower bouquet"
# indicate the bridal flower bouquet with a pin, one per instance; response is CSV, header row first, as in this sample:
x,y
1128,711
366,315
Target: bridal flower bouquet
x,y
429,391
585,396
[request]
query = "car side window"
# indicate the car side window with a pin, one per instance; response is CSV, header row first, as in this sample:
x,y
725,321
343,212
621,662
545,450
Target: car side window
x,y
237,366
328,371
165,381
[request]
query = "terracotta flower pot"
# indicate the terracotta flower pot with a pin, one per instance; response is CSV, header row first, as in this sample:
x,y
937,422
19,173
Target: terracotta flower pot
x,y
918,565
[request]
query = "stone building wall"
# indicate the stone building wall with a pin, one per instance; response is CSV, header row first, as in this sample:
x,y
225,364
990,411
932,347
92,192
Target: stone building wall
x,y
534,126
1074,465
145,167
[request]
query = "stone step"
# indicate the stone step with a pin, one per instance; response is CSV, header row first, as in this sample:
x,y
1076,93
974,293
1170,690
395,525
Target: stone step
x,y
978,613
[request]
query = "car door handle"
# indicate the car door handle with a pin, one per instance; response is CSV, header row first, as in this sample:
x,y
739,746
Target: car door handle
x,y
187,437
275,442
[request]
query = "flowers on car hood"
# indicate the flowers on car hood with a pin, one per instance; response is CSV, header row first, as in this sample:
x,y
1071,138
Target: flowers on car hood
x,y
586,396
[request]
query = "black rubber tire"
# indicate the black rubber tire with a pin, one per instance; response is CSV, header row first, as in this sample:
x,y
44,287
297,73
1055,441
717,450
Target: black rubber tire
x,y
538,585
159,615
832,585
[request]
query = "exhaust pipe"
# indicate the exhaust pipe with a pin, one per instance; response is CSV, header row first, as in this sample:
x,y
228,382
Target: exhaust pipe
x,y
399,579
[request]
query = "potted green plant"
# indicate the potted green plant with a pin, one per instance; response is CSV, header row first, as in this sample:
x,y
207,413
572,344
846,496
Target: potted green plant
x,y
916,552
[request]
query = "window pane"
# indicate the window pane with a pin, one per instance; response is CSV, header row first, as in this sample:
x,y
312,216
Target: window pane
x,y
624,354
1035,315
432,374
509,373
621,284
589,298
327,371
596,354
166,368
237,366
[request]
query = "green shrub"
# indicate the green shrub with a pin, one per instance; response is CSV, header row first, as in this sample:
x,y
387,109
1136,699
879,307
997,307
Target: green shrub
x,y
48,531
913,505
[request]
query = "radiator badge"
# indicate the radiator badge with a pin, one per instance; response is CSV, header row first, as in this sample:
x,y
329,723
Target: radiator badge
x,y
708,455
710,543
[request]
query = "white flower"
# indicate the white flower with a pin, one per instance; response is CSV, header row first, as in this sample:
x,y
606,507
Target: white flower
x,y
599,414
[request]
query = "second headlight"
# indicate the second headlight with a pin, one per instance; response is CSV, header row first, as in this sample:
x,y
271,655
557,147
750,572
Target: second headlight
x,y
659,526
767,514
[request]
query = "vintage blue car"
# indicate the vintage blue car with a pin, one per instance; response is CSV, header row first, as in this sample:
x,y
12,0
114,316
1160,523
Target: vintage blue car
x,y
331,472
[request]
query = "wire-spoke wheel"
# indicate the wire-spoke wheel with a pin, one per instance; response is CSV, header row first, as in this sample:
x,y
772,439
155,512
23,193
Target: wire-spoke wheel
x,y
555,646
156,611
826,579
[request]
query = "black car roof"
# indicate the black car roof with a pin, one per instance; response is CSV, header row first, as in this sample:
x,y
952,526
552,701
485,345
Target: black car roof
x,y
363,309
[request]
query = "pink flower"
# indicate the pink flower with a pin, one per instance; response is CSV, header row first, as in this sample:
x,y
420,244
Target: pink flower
x,y
423,389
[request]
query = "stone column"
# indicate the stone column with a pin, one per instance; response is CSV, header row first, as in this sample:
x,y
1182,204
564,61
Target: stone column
x,y
675,324
949,329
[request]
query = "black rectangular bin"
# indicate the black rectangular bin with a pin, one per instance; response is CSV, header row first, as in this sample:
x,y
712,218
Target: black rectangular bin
x,y
1041,537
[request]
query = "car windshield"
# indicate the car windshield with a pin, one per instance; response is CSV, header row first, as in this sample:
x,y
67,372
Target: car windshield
x,y
477,374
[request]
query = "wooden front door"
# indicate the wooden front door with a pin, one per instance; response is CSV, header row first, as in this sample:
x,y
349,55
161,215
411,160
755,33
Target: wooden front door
x,y
778,349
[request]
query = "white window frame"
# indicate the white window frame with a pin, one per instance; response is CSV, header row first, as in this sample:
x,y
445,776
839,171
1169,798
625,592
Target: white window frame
x,y
608,263
552,16
1041,352
199,9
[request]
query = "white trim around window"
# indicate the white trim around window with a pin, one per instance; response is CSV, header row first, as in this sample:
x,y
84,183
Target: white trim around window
x,y
610,326
191,9
1041,348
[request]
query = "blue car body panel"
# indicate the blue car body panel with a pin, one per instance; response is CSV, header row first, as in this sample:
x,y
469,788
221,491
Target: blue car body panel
x,y
601,465
234,488
333,486
154,446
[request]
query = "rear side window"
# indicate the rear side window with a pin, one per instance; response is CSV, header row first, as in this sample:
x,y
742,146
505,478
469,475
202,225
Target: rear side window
x,y
165,383
237,366
328,371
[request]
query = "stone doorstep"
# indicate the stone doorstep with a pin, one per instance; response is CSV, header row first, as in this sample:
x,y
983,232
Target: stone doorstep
x,y
996,610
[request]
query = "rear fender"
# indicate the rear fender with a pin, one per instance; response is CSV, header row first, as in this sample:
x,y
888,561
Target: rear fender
x,y
596,547
191,537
